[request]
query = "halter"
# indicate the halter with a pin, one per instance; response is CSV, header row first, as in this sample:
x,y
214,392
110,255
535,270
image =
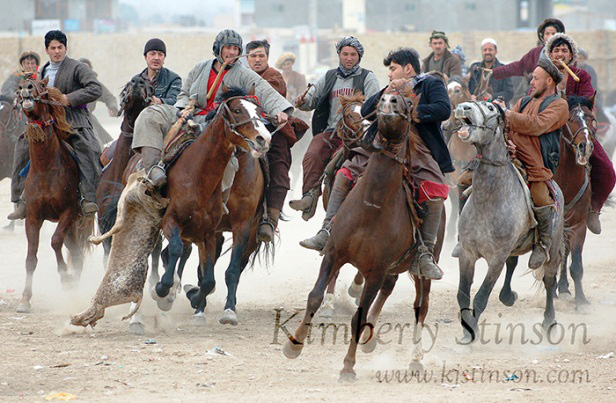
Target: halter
x,y
393,149
40,93
351,135
580,113
479,157
232,124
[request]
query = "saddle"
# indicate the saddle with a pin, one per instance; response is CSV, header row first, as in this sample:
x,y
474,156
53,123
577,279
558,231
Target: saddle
x,y
176,143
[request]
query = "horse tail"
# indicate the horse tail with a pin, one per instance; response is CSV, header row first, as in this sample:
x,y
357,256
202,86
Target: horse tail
x,y
264,253
107,220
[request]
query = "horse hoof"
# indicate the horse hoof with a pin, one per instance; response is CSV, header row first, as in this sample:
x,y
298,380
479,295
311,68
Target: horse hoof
x,y
509,300
136,328
228,317
24,307
164,304
548,325
565,296
355,290
417,368
67,281
347,377
326,312
292,350
161,290
370,346
465,340
583,307
199,319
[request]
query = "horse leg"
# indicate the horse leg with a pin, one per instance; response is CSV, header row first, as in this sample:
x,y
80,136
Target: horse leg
x,y
467,272
577,273
136,325
241,240
367,342
75,251
329,267
452,226
563,281
372,287
549,315
165,304
174,251
507,296
57,241
156,254
327,308
356,286
421,305
207,282
33,228
495,267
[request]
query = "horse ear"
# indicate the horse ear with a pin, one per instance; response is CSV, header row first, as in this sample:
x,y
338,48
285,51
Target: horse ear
x,y
46,80
224,88
592,99
252,89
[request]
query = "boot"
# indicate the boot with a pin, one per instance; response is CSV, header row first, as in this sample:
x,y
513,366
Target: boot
x,y
150,157
267,227
424,263
462,201
19,213
593,223
544,216
308,203
342,187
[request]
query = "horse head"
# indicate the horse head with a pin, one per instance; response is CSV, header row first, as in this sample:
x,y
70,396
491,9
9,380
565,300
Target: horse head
x,y
394,114
245,120
136,96
580,129
352,125
479,121
458,92
32,94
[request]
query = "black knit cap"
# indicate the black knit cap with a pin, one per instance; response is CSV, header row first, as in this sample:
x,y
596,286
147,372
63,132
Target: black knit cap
x,y
155,44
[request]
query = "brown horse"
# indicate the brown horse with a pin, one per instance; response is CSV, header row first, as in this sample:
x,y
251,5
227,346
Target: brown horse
x,y
135,96
573,177
374,230
461,153
52,185
195,216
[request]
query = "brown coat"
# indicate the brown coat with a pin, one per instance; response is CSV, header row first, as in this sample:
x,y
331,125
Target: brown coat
x,y
296,127
296,85
451,64
526,127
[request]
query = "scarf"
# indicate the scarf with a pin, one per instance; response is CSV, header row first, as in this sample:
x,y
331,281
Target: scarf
x,y
346,73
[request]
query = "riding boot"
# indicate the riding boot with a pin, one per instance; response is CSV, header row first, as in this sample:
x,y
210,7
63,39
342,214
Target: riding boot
x,y
424,263
308,203
462,198
150,157
342,187
19,213
267,227
593,223
544,216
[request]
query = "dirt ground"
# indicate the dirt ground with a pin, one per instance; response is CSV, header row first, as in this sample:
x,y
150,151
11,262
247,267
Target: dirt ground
x,y
179,360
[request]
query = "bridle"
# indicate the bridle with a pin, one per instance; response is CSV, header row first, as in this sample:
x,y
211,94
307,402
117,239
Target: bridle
x,y
578,112
479,157
232,124
351,136
42,93
393,149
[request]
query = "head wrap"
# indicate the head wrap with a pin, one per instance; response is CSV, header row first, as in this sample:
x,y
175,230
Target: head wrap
x,y
488,40
155,44
458,51
549,45
551,69
287,56
439,35
350,41
30,55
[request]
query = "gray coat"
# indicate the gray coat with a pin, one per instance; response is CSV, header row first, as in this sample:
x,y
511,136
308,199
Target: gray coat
x,y
79,83
237,76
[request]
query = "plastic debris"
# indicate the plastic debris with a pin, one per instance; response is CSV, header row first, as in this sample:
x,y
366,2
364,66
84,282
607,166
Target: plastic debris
x,y
450,386
150,341
37,367
535,362
206,384
217,351
60,396
512,377
63,365
10,290
606,356
2,302
520,389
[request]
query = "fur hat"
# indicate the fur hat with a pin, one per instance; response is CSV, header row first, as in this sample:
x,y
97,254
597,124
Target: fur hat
x,y
549,45
287,56
550,22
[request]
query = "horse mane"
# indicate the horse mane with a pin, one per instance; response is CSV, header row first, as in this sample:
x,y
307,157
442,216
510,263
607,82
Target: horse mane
x,y
58,113
575,100
230,93
458,80
345,100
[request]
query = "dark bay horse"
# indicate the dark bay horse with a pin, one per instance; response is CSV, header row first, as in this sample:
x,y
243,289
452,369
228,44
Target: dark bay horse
x,y
573,177
194,216
363,235
52,185
135,97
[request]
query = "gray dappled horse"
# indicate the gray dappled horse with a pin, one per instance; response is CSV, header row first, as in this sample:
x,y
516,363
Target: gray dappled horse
x,y
496,222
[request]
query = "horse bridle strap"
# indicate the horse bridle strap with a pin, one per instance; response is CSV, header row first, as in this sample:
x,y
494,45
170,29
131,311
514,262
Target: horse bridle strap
x,y
581,128
42,123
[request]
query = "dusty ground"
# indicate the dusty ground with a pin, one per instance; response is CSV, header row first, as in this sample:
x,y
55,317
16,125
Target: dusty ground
x,y
40,355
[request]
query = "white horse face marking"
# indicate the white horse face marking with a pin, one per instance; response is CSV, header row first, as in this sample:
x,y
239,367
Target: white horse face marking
x,y
365,122
264,137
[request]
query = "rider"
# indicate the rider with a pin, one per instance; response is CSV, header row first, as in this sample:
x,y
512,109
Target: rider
x,y
279,154
324,98
155,121
441,59
431,160
296,81
528,62
28,61
166,83
79,87
502,88
525,128
602,176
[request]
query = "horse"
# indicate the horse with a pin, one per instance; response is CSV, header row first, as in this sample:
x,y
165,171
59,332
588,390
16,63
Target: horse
x,y
195,216
461,152
11,126
135,97
496,222
377,207
52,191
573,177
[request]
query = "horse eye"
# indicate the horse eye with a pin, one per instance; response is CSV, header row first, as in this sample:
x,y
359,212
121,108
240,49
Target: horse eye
x,y
236,111
490,107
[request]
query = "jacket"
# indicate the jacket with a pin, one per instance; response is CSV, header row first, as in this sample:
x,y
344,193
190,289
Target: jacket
x,y
451,64
167,87
502,87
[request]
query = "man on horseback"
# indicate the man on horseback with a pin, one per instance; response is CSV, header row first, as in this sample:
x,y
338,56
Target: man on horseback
x,y
561,47
441,59
324,98
155,121
499,88
79,85
545,113
166,83
28,62
279,154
